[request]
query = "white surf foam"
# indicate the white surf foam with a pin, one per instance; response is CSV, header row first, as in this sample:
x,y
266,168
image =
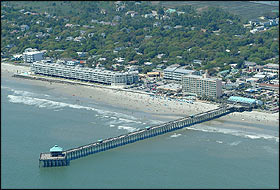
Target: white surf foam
x,y
50,104
175,135
112,125
23,93
19,92
235,143
129,129
129,120
239,133
44,103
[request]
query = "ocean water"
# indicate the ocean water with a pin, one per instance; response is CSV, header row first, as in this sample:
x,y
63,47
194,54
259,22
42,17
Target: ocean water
x,y
215,154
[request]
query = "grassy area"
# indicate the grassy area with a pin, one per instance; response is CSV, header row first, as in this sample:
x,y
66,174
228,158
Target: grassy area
x,y
245,9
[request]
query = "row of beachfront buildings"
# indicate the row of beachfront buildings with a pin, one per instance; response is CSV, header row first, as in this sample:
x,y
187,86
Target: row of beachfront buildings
x,y
192,81
84,73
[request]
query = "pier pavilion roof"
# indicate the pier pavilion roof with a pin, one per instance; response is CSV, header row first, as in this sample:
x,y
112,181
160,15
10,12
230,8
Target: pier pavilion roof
x,y
56,148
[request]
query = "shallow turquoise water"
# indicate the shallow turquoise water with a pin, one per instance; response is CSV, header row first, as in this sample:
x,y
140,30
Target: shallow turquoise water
x,y
208,155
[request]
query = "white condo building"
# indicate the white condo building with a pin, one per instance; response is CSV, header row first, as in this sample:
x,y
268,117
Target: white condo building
x,y
174,73
30,57
202,86
84,73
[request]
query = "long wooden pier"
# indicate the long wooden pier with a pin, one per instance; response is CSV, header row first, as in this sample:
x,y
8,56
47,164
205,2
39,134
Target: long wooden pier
x,y
48,160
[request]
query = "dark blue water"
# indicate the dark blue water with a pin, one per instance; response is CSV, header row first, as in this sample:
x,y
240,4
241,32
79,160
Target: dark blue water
x,y
210,155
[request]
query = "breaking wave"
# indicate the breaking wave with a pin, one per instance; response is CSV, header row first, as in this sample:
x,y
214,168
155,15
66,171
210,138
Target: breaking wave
x,y
33,99
249,135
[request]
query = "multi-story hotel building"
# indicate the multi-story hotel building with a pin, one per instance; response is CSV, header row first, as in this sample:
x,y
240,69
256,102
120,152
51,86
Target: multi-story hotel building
x,y
30,57
174,73
201,86
83,73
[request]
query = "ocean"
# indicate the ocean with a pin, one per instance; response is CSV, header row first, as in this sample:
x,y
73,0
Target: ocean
x,y
215,154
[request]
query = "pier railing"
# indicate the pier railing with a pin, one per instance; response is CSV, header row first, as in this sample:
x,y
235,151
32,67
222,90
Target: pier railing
x,y
46,160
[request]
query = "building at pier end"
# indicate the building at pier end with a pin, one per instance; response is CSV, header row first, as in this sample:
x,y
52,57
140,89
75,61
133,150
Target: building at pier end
x,y
202,86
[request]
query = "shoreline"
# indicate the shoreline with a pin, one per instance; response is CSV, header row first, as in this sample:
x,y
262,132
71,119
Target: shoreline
x,y
132,101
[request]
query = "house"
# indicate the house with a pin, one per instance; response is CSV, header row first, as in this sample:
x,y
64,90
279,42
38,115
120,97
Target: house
x,y
167,27
119,59
132,68
14,31
70,38
120,8
103,11
90,35
58,38
156,24
94,21
150,15
103,34
197,61
160,66
82,32
254,22
133,62
78,39
154,13
81,54
24,27
131,13
170,11
159,56
69,25
148,63
178,26
203,30
248,63
117,18
17,57
102,59
49,29
165,17
180,12
104,23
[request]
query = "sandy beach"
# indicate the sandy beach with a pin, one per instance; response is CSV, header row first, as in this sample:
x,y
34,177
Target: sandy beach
x,y
159,107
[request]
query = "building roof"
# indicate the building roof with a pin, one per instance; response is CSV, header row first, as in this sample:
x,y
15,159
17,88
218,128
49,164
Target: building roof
x,y
184,71
171,87
32,53
242,99
56,148
200,77
249,63
170,69
171,10
271,65
269,85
